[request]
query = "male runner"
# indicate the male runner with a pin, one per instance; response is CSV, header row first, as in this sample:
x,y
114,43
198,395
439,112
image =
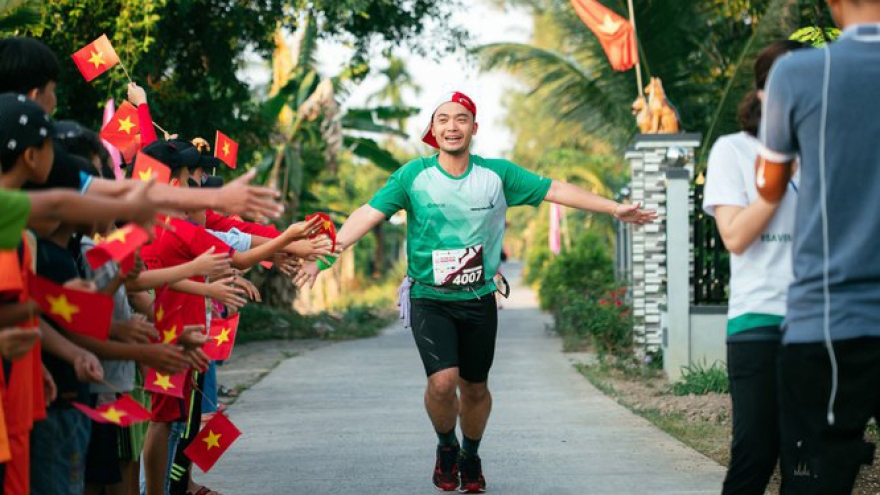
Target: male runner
x,y
456,205
822,106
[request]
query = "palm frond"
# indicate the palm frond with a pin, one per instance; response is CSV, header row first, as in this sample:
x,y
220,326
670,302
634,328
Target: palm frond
x,y
369,149
777,23
18,15
576,93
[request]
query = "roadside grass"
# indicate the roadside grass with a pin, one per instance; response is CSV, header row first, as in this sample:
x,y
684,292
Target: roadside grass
x,y
264,323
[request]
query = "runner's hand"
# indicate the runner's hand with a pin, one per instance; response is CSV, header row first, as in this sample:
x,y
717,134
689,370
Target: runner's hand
x,y
164,358
240,198
142,209
632,213
212,265
307,275
221,290
16,342
88,368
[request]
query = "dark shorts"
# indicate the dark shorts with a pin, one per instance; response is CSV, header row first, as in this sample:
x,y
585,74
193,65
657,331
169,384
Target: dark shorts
x,y
818,458
102,461
460,334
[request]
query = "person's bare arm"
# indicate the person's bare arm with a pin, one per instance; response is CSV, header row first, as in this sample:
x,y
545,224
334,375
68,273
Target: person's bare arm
x,y
86,364
363,220
142,302
71,207
161,357
573,196
300,230
739,227
220,290
207,264
15,313
237,197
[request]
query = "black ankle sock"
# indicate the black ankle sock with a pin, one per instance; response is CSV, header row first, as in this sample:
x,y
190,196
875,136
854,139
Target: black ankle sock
x,y
447,439
469,447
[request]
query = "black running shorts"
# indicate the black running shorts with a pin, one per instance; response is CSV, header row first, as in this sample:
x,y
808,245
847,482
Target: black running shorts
x,y
458,334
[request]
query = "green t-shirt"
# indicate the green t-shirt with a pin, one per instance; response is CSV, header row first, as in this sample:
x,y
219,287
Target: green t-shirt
x,y
15,207
456,224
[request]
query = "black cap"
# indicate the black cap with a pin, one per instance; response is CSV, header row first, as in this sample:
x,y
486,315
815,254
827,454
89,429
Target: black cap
x,y
173,154
208,162
23,124
188,154
212,181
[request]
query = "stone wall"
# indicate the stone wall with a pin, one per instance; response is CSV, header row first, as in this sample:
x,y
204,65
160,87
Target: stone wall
x,y
647,158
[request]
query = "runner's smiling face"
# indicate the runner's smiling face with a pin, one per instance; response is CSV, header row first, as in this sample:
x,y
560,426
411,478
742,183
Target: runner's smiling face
x,y
454,127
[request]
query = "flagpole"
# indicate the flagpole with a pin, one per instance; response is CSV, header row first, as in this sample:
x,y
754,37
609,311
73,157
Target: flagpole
x,y
632,20
125,70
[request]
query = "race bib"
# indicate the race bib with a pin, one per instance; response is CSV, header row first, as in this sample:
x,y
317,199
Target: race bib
x,y
458,267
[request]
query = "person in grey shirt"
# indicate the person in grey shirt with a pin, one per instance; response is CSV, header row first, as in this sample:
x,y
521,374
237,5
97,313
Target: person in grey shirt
x,y
821,106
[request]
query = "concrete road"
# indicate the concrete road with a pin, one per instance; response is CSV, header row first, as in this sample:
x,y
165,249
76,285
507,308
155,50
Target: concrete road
x,y
348,419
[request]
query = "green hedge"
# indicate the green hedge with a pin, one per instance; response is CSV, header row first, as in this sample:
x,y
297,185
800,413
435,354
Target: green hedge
x,y
579,289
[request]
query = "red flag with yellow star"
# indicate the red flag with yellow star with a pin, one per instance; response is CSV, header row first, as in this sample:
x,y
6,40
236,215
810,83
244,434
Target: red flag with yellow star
x,y
96,58
159,383
84,313
616,34
169,326
117,246
123,131
221,338
146,167
225,149
328,228
124,411
212,442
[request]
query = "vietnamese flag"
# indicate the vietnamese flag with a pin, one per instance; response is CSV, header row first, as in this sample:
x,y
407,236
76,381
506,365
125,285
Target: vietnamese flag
x,y
221,338
84,313
124,411
95,58
170,327
327,227
123,131
159,383
616,34
226,149
117,246
211,443
146,167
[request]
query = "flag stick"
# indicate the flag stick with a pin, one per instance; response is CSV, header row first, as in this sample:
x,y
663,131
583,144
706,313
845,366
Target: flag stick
x,y
125,70
167,134
632,20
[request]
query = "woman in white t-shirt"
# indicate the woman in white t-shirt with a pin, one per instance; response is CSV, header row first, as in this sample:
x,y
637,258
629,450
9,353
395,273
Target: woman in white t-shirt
x,y
759,237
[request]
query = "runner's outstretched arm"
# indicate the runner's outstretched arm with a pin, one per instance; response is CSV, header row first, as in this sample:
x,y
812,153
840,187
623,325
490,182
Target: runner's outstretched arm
x,y
363,220
567,194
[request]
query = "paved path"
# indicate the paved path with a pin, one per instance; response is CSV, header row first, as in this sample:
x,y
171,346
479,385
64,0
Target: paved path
x,y
348,419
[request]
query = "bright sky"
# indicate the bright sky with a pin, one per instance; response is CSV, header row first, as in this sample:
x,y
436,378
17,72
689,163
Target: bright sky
x,y
487,24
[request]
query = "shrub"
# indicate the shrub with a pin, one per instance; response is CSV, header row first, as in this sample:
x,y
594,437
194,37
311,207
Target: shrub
x,y
698,379
587,268
605,323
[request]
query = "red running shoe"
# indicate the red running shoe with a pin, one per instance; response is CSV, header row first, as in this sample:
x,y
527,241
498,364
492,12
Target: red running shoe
x,y
472,480
446,469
